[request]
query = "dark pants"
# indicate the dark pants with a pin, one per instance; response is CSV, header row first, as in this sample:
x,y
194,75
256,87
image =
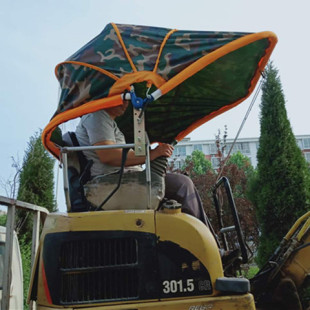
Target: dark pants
x,y
182,189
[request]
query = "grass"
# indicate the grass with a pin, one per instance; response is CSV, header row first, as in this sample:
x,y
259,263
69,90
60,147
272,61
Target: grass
x,y
250,272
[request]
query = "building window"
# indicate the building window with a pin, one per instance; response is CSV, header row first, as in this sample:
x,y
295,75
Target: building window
x,y
307,156
180,151
306,143
213,148
206,148
237,147
177,164
228,146
299,143
215,161
243,147
198,147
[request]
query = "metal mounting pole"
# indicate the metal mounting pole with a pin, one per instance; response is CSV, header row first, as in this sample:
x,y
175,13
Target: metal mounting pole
x,y
148,172
66,179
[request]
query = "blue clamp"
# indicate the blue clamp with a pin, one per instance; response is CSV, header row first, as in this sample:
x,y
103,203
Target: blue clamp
x,y
139,103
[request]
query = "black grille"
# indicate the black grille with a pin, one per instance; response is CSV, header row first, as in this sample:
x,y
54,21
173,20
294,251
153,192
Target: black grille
x,y
98,253
94,270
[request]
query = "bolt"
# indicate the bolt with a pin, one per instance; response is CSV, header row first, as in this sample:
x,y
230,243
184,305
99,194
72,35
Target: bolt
x,y
139,222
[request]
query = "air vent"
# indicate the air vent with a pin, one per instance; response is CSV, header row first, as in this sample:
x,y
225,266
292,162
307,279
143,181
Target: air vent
x,y
98,253
98,270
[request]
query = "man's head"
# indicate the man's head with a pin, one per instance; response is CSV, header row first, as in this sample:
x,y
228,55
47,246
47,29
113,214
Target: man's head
x,y
118,110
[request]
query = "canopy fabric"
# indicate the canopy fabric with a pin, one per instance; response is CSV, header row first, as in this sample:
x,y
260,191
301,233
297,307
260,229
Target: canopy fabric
x,y
199,75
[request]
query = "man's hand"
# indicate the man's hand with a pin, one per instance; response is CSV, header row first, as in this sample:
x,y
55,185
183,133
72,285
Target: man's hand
x,y
163,149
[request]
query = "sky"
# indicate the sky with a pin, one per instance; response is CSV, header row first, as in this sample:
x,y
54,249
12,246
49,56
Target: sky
x,y
37,35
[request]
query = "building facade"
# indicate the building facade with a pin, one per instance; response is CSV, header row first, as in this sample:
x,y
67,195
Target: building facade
x,y
247,146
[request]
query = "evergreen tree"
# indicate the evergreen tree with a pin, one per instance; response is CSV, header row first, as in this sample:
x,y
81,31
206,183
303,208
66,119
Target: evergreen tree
x,y
36,186
36,182
282,181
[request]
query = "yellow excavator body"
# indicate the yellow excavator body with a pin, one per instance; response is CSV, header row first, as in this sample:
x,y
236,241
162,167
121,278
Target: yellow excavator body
x,y
132,259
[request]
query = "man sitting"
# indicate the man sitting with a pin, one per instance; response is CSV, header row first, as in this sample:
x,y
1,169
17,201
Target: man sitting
x,y
100,128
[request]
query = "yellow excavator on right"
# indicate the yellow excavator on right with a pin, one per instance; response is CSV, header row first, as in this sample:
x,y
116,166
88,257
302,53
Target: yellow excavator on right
x,y
279,284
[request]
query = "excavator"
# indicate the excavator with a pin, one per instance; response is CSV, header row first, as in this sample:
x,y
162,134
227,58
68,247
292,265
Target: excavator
x,y
122,244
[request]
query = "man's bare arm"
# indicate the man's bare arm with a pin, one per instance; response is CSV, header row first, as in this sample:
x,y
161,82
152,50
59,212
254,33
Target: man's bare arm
x,y
113,157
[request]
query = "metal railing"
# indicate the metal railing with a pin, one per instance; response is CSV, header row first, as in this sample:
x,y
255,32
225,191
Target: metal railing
x,y
39,213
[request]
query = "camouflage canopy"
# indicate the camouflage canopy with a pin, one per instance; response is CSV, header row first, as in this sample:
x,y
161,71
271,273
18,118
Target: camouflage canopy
x,y
196,76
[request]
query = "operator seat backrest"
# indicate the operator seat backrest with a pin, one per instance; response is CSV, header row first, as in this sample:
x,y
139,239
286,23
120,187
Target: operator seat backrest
x,y
78,175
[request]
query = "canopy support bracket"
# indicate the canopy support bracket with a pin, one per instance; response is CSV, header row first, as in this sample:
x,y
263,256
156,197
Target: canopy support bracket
x,y
139,132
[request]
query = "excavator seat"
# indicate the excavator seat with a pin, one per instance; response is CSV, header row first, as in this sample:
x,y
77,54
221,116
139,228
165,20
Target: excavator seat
x,y
88,193
78,175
